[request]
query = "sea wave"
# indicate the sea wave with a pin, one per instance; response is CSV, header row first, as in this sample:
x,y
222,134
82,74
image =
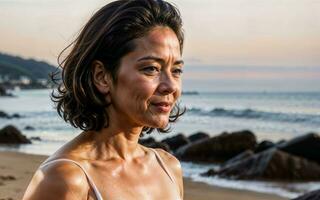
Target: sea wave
x,y
257,114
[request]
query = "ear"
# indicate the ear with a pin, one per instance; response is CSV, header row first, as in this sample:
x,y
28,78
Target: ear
x,y
101,78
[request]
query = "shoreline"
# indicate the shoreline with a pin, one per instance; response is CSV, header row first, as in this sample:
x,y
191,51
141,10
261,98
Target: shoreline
x,y
16,170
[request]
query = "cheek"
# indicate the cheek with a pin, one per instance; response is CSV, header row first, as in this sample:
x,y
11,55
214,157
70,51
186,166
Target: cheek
x,y
145,86
143,92
138,91
177,94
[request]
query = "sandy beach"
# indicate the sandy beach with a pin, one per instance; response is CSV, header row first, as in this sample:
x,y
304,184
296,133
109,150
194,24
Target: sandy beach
x,y
16,170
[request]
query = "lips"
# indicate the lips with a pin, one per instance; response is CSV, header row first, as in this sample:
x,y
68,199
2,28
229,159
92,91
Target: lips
x,y
163,106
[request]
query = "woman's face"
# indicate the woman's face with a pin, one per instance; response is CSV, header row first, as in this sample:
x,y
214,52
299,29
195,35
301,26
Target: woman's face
x,y
148,81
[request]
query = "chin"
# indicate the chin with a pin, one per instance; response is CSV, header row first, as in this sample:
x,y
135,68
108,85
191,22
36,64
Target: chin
x,y
160,123
163,124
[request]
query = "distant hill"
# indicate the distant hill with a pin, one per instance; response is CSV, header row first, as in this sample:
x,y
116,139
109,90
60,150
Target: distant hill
x,y
14,67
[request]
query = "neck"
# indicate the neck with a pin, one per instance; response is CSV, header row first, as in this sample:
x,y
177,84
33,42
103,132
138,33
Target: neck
x,y
118,144
120,139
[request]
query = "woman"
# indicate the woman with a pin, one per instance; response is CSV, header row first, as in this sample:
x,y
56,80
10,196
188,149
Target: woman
x,y
121,79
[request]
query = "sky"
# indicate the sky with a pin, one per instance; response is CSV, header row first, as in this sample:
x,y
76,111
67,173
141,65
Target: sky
x,y
233,44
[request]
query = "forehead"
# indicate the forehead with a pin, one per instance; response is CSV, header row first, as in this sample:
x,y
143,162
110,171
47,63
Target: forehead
x,y
161,41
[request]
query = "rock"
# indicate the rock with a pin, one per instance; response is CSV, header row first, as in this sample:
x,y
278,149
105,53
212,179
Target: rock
x,y
238,158
280,142
16,115
176,141
4,114
219,148
152,143
211,172
29,128
35,138
271,164
313,195
266,144
11,135
306,146
198,136
145,141
3,91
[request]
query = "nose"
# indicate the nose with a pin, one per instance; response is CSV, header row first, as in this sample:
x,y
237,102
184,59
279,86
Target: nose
x,y
167,84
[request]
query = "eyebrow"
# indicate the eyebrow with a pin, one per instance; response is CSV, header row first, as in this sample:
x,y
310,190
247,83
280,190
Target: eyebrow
x,y
160,60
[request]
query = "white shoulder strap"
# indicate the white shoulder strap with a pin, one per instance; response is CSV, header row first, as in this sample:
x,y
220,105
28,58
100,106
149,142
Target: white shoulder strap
x,y
162,164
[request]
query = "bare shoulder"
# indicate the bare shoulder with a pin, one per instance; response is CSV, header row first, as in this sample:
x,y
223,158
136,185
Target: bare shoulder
x,y
175,167
60,180
170,160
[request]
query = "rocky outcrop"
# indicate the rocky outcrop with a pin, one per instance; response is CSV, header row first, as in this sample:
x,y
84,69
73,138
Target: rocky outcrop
x,y
198,136
5,115
145,141
176,141
244,155
4,93
11,135
306,146
219,148
271,164
15,115
313,195
35,138
264,145
29,128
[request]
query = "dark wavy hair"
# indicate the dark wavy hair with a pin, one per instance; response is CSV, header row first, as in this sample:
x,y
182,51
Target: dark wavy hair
x,y
107,37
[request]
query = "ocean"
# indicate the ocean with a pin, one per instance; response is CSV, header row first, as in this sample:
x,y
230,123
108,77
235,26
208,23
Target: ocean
x,y
270,115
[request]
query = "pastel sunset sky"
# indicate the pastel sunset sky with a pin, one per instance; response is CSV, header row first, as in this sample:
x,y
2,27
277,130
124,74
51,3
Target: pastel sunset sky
x,y
231,44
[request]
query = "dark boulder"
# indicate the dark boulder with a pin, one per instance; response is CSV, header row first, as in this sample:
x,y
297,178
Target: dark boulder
x,y
176,141
36,138
198,136
152,143
3,91
145,141
29,128
238,158
313,195
16,115
11,135
306,146
264,145
281,142
271,164
219,148
4,114
211,172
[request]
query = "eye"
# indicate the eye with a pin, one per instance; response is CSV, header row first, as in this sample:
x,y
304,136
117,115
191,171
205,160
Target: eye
x,y
150,70
177,71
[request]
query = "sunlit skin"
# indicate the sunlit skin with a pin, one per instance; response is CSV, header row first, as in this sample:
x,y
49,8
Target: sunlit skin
x,y
154,78
148,85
